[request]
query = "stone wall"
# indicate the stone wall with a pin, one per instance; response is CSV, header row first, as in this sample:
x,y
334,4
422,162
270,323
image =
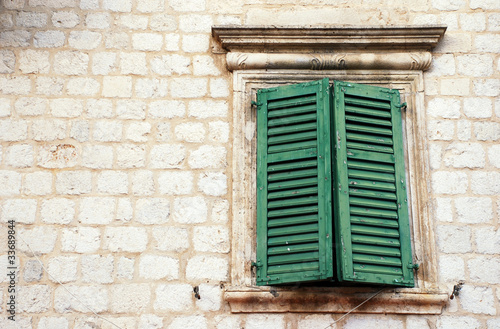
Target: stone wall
x,y
116,146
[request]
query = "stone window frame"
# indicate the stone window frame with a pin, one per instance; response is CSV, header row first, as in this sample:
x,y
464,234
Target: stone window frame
x,y
394,57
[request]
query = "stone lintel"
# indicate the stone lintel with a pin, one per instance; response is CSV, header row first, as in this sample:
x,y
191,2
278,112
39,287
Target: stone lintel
x,y
330,61
334,300
326,39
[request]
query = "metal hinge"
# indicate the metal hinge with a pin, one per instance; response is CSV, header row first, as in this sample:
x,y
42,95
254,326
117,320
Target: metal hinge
x,y
403,106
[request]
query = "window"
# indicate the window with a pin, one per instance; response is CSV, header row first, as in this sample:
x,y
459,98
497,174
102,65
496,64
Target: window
x,y
271,57
331,191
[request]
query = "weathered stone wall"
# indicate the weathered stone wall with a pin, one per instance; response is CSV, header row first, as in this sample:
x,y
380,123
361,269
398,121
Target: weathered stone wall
x,y
115,153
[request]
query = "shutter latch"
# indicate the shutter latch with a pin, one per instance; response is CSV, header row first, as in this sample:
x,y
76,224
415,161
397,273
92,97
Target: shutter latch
x,y
257,264
403,106
414,266
257,105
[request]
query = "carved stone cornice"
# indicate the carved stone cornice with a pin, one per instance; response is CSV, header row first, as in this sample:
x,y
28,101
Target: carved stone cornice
x,y
330,61
323,48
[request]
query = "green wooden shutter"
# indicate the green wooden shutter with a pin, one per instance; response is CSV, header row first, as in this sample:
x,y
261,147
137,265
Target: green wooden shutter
x,y
371,212
294,207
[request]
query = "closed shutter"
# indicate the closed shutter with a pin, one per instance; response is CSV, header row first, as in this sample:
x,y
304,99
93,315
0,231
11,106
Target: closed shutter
x,y
294,207
371,213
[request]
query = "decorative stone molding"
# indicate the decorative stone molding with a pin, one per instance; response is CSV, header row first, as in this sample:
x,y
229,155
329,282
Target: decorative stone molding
x,y
324,48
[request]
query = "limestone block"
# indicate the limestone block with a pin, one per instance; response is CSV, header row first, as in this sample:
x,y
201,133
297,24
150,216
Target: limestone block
x,y
211,239
440,129
131,109
49,39
127,298
478,108
455,43
133,22
207,156
73,182
488,240
33,61
494,155
41,239
38,183
171,64
5,106
188,5
103,63
97,156
97,268
15,85
142,182
7,61
484,4
198,321
448,4
65,19
117,40
219,88
20,210
79,130
464,155
172,42
97,210
455,87
126,239
13,130
49,86
57,211
255,321
487,131
83,86
151,88
210,268
174,297
6,18
195,23
95,297
14,4
317,321
150,6
138,131
204,65
425,19
116,86
454,239
220,211
10,183
484,182
195,43
80,239
118,5
214,184
193,132
444,107
435,155
53,3
164,156
19,156
18,38
67,107
218,131
473,22
150,321
188,87
175,182
190,210
98,21
489,43
108,131
125,268
147,41
32,271
99,108
152,211
31,19
163,132
162,23
228,321
494,22
112,182
62,269
208,109
166,109
133,63
31,106
475,65
168,238
158,267
124,211
451,268
130,156
477,300
357,321
487,87
53,322
33,298
71,63
474,210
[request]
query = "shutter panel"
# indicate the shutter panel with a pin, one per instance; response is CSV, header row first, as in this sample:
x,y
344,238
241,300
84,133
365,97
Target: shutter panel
x,y
371,211
294,208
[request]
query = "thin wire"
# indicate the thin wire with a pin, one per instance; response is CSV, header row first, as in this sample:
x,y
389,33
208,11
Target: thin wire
x,y
67,290
352,310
